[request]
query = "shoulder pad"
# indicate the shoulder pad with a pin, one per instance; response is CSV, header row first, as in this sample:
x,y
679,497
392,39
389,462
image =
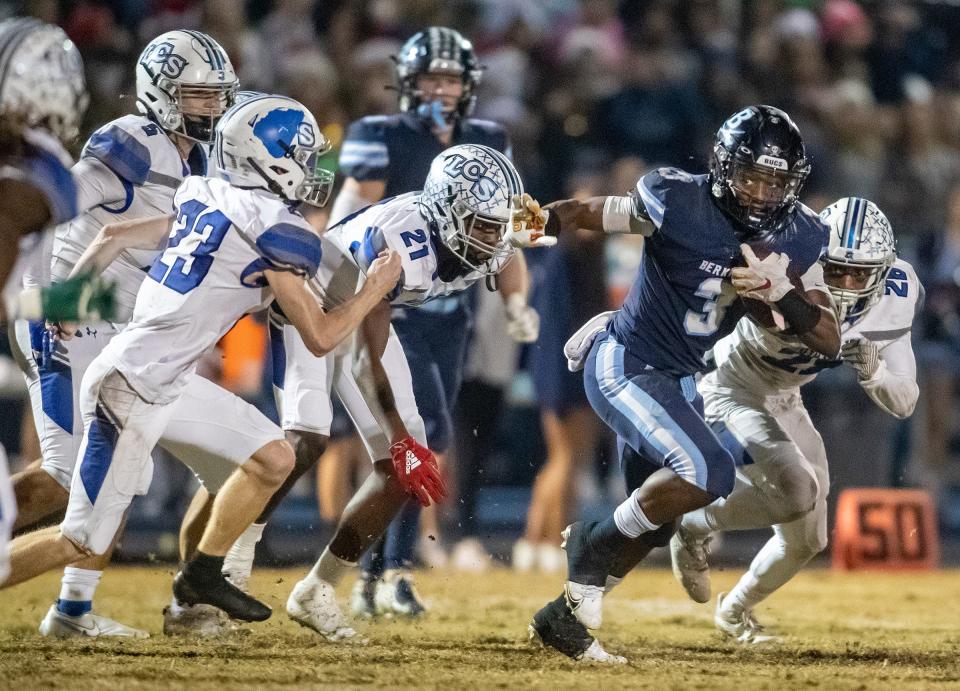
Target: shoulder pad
x,y
120,150
284,247
654,189
364,154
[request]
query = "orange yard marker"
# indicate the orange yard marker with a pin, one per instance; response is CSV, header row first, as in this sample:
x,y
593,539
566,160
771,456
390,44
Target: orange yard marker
x,y
880,528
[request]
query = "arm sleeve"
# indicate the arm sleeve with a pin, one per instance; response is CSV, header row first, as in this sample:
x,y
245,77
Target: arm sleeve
x,y
894,386
97,184
364,154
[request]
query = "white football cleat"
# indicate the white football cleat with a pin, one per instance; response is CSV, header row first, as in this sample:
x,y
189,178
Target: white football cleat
x,y
524,556
362,603
432,553
550,558
585,602
396,594
313,604
688,555
596,653
201,621
469,555
740,625
59,625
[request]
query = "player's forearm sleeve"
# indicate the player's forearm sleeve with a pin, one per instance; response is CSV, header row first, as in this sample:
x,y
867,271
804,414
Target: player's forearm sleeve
x,y
96,184
626,215
894,385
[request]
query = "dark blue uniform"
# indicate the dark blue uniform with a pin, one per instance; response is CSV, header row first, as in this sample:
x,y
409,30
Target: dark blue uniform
x,y
640,373
398,149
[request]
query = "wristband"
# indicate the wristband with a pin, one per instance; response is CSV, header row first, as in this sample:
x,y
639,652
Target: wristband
x,y
798,312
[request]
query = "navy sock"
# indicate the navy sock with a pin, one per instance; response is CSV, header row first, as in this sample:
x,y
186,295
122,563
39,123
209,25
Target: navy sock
x,y
605,538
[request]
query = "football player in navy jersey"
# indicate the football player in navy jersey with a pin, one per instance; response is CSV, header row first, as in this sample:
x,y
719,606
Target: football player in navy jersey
x,y
713,244
384,156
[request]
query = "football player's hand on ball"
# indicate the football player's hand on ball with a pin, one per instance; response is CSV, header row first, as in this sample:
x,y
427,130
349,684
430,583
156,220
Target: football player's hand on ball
x,y
416,469
384,272
527,223
762,279
862,355
523,322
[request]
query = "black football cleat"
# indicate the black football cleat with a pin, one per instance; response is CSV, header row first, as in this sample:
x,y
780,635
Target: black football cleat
x,y
555,626
220,593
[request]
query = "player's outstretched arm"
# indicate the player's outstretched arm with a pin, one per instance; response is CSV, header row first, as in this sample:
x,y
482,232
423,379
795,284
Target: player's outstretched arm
x,y
887,375
323,331
523,322
612,214
142,233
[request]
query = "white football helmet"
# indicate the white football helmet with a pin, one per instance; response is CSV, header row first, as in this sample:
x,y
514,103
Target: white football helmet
x,y
185,83
468,192
860,239
41,77
273,142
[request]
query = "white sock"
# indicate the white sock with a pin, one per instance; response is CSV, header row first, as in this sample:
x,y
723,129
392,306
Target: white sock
x,y
76,590
330,568
698,522
630,519
239,560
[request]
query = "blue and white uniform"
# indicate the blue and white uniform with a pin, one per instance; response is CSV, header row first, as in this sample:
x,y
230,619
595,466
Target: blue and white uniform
x,y
44,165
398,149
129,169
752,401
639,376
208,277
348,249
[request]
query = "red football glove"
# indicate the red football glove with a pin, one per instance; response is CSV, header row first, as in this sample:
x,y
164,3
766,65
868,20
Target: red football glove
x,y
416,469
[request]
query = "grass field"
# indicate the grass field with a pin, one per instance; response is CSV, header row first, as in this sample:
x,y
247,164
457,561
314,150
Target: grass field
x,y
843,631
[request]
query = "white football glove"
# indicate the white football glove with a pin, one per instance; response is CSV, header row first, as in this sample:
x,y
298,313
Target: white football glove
x,y
523,322
862,355
764,279
527,223
578,346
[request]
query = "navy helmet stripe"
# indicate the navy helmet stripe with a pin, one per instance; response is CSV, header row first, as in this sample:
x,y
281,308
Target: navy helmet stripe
x,y
216,59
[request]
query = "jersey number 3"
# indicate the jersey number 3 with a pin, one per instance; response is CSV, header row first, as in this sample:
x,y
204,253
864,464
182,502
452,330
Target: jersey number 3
x,y
186,273
707,320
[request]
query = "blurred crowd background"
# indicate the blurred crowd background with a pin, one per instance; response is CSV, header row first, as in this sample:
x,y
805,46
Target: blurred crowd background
x,y
593,93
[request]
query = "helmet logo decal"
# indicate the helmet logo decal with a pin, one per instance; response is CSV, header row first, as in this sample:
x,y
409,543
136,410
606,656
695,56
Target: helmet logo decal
x,y
772,162
160,57
305,135
277,129
731,128
472,170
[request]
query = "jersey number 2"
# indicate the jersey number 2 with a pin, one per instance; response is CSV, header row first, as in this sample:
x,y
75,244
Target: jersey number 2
x,y
186,273
416,237
707,320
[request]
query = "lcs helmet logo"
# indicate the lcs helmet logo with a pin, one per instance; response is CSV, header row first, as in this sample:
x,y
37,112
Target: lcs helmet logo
x,y
160,58
472,170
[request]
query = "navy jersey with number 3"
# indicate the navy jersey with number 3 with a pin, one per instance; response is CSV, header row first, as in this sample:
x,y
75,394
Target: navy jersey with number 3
x,y
682,300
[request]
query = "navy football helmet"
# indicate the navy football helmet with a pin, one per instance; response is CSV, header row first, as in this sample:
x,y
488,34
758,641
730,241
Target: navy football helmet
x,y
758,167
437,50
